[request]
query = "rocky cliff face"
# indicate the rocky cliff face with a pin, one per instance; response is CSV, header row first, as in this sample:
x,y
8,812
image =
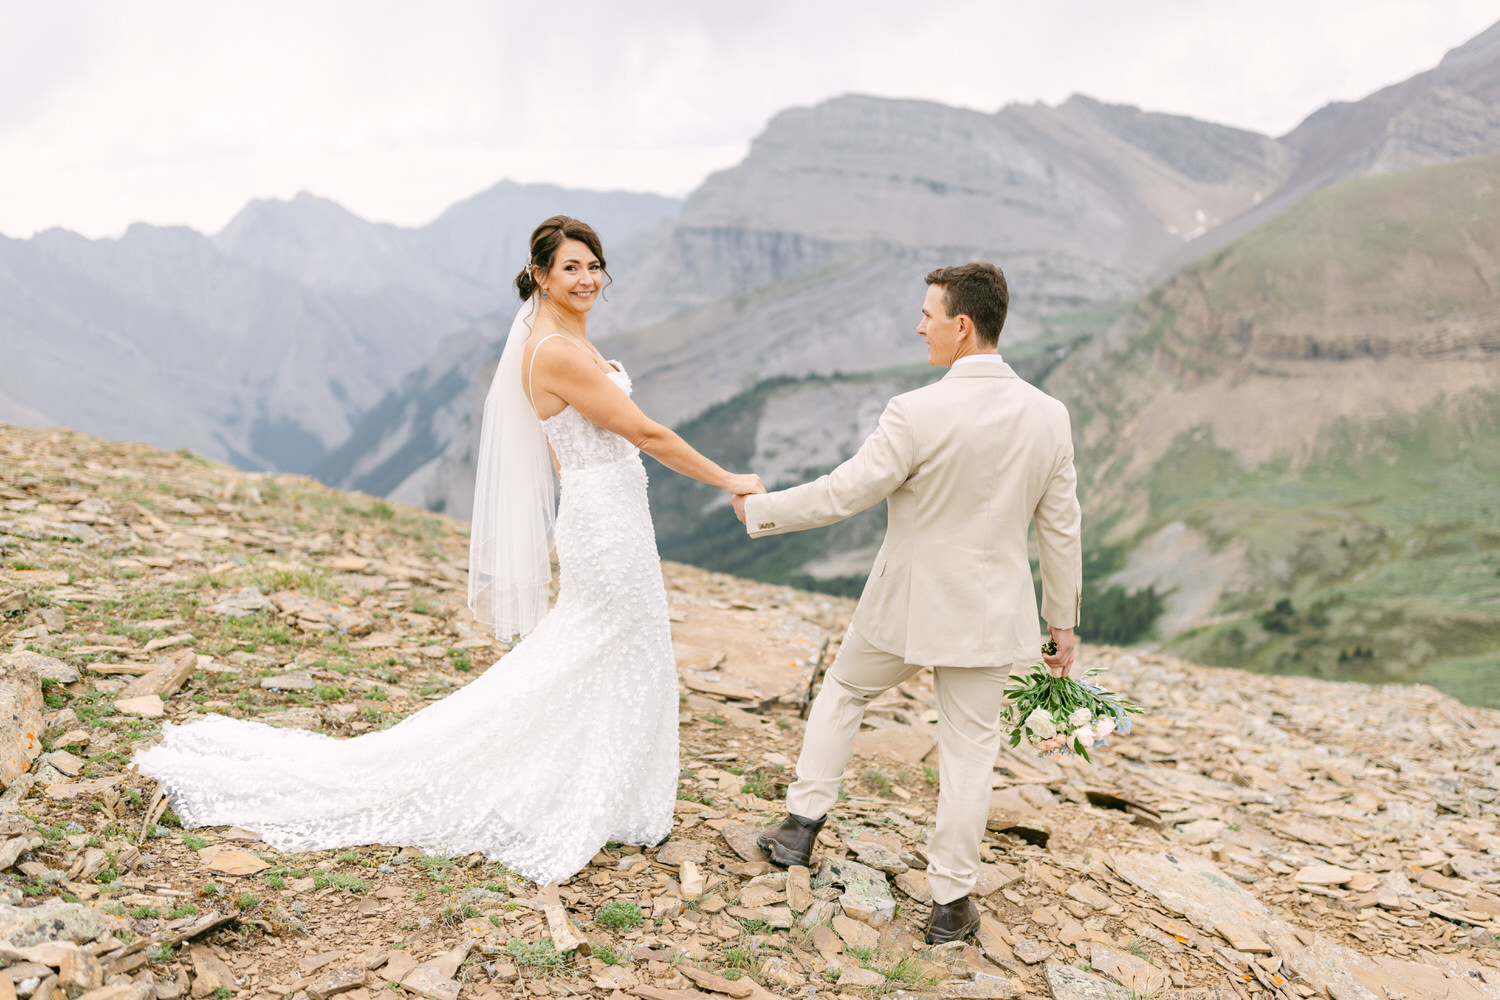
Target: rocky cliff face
x,y
1311,415
807,258
266,344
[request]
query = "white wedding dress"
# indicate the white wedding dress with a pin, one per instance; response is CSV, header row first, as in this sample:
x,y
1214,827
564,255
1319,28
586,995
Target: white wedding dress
x,y
568,741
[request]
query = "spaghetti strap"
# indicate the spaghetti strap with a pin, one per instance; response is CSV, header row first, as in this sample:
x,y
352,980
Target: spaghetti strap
x,y
531,370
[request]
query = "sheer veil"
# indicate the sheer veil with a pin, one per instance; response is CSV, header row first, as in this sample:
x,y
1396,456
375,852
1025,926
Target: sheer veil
x,y
515,499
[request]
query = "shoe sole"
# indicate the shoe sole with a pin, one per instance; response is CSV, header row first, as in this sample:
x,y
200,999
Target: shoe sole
x,y
780,856
958,935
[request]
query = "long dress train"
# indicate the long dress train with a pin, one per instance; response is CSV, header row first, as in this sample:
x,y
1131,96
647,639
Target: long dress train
x,y
568,741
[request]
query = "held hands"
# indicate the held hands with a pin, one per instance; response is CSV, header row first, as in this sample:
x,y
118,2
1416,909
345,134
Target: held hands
x,y
741,487
743,484
1060,660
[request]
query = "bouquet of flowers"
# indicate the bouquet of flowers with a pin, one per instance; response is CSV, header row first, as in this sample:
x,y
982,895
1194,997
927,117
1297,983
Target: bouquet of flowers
x,y
1061,715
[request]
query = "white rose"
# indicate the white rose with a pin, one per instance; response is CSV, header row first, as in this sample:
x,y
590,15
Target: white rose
x,y
1104,727
1040,724
1080,717
1084,735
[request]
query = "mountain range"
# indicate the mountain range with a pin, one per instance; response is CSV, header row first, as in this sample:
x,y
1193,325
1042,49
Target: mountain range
x,y
806,259
268,342
1250,331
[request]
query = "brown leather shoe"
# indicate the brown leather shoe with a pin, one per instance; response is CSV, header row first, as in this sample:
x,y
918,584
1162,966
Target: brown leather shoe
x,y
952,921
791,842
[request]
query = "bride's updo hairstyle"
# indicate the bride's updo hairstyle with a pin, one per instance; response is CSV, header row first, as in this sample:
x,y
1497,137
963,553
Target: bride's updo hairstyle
x,y
545,239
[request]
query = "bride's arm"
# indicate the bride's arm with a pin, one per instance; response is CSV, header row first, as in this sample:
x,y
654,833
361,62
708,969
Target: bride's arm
x,y
572,376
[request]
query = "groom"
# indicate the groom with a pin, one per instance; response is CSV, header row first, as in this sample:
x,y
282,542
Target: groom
x,y
965,463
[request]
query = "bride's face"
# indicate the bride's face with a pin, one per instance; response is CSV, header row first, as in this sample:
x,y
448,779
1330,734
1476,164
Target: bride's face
x,y
575,279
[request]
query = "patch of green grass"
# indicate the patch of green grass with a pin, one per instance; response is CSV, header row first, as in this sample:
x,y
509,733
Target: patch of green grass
x,y
542,957
51,834
311,582
162,953
877,781
764,782
322,879
609,956
618,915
460,660
907,970
454,915
94,708
193,842
247,901
142,912
439,867
741,961
182,910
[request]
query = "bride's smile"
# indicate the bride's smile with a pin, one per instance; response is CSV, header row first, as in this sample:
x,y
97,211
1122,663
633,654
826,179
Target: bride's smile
x,y
572,284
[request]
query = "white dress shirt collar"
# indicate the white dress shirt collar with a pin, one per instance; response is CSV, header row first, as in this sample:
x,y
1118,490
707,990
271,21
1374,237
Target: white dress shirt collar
x,y
978,359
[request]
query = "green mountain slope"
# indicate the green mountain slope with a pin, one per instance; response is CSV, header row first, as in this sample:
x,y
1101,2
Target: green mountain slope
x,y
1297,439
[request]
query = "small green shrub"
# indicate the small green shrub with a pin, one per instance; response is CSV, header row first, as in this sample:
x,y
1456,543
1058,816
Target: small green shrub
x,y
618,914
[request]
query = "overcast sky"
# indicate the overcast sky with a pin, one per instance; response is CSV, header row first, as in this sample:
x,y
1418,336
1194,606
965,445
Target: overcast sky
x,y
179,112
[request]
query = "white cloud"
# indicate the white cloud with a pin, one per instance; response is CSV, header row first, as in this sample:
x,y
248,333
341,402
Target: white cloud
x,y
179,112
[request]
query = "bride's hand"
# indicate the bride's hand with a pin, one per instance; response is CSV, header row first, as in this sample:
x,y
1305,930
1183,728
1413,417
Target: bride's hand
x,y
744,483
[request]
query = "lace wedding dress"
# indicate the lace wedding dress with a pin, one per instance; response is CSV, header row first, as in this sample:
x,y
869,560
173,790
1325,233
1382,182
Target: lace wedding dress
x,y
568,741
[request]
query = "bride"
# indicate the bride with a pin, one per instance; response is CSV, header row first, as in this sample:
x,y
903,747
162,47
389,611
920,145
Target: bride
x,y
570,739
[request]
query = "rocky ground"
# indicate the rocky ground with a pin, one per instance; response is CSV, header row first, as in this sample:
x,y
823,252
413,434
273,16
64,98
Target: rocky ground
x,y
1253,837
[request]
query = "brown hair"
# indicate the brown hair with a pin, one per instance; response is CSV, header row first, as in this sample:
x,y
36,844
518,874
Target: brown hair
x,y
546,238
976,290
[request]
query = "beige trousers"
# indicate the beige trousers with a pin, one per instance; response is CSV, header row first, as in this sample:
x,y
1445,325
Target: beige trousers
x,y
969,702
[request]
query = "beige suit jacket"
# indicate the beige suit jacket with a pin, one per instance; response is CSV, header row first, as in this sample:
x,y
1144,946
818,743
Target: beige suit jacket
x,y
965,463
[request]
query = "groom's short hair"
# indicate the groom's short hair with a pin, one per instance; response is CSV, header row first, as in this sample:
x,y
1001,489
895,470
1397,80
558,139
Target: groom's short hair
x,y
976,290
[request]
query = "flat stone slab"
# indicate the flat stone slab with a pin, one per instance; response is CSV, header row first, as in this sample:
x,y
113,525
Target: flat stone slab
x,y
47,668
1341,972
20,722
1068,983
25,927
1323,875
241,602
677,851
1131,971
80,789
1195,888
867,895
877,856
147,706
231,860
741,839
288,682
316,615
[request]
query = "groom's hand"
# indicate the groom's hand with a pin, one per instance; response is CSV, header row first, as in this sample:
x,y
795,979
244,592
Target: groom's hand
x,y
739,506
1060,663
